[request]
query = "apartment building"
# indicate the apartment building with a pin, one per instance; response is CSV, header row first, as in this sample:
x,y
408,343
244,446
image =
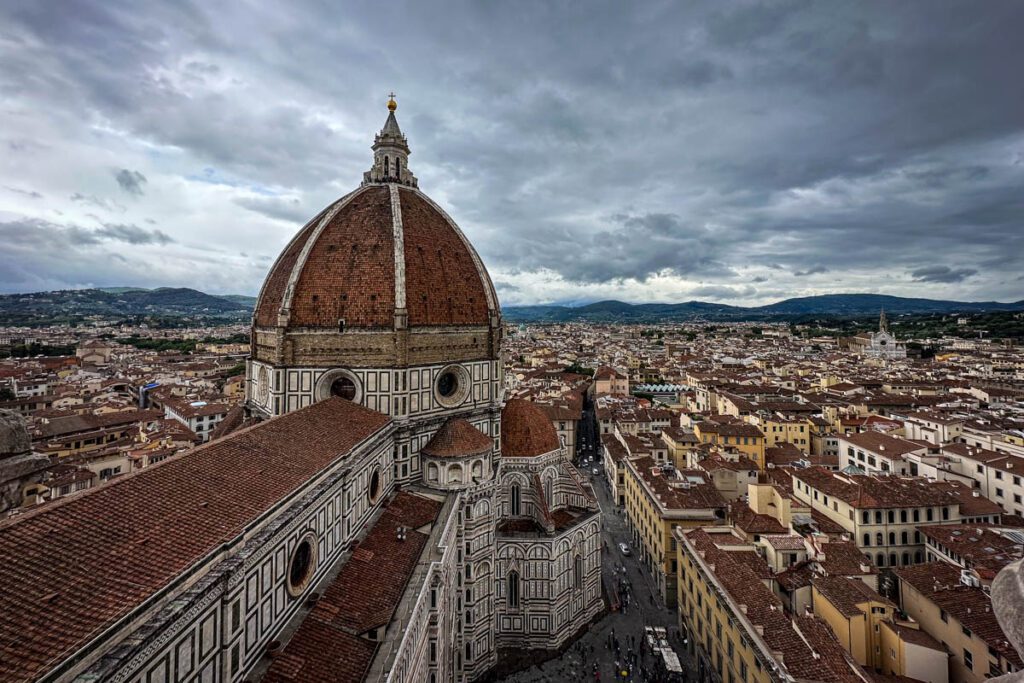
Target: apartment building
x,y
878,453
659,500
954,609
738,628
883,515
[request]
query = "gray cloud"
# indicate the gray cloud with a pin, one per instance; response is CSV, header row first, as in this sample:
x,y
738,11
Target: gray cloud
x,y
651,151
130,181
98,202
813,270
31,194
132,234
722,292
280,208
942,274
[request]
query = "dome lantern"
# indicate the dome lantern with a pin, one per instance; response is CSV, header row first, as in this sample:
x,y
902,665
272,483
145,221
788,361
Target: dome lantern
x,y
390,153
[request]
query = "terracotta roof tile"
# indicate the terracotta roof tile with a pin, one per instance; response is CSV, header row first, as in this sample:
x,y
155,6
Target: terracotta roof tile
x,y
327,646
146,528
526,431
456,438
443,285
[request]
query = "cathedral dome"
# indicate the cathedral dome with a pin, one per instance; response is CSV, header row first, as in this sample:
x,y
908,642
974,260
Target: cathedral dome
x,y
378,257
526,430
383,260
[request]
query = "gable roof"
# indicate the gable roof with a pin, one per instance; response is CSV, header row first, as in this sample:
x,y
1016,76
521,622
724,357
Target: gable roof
x,y
93,558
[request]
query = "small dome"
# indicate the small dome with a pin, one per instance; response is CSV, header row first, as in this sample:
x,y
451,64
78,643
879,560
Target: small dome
x,y
457,438
526,431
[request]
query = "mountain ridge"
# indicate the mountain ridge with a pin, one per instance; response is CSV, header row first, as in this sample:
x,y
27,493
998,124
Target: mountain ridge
x,y
180,302
833,305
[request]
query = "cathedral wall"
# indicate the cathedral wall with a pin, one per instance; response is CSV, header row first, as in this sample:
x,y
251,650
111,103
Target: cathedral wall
x,y
554,602
423,649
219,628
403,393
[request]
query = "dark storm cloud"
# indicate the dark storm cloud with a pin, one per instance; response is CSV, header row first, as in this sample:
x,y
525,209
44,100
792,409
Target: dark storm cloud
x,y
614,143
130,181
942,274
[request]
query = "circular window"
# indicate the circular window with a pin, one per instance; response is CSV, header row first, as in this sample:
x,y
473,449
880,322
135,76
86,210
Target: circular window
x,y
447,384
451,388
302,564
374,490
344,387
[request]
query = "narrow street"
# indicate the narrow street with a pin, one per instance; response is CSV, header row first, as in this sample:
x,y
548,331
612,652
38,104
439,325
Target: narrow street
x,y
627,626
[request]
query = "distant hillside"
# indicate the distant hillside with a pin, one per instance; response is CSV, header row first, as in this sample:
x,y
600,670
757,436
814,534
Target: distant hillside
x,y
76,304
825,305
43,308
247,301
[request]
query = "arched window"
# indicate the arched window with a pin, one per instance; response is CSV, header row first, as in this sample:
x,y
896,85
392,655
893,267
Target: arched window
x,y
385,167
547,491
906,558
917,537
432,472
892,538
513,588
398,167
469,651
867,539
469,512
577,572
904,538
903,516
879,539
514,500
880,560
917,557
892,559
469,571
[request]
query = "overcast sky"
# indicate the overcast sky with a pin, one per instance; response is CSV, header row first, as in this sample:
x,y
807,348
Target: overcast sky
x,y
728,151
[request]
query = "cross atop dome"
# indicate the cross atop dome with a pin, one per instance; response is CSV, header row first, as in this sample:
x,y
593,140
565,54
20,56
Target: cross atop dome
x,y
390,153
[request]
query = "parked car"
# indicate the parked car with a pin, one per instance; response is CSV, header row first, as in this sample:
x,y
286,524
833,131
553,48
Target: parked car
x,y
624,549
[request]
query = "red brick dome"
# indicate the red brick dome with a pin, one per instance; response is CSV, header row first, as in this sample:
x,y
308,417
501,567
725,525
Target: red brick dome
x,y
378,257
457,438
526,430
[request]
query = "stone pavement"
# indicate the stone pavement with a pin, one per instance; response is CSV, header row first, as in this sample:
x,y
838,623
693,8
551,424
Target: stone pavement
x,y
577,662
